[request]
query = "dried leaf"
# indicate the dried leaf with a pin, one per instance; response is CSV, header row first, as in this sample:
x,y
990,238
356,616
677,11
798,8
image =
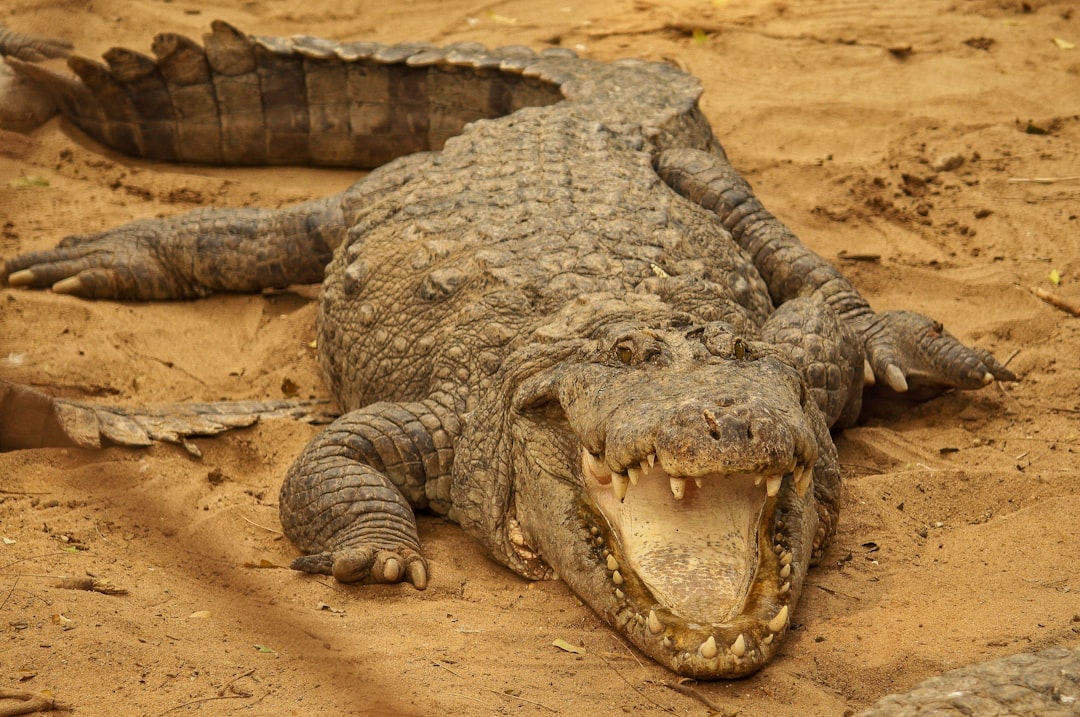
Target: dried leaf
x,y
8,541
1063,44
567,647
700,36
264,648
501,19
200,614
263,564
1055,277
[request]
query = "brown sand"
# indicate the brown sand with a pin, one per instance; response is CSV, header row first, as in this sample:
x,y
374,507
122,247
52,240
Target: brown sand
x,y
959,524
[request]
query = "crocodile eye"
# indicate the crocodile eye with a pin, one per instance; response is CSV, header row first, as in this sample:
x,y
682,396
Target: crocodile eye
x,y
625,354
739,348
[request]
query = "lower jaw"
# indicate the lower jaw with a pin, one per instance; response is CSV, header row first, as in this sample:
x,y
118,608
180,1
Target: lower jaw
x,y
731,649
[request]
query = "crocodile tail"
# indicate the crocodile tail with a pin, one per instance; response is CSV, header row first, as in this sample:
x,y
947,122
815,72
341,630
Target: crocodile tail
x,y
32,419
240,99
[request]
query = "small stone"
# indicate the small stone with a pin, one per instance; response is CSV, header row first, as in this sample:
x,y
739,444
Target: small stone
x,y
948,162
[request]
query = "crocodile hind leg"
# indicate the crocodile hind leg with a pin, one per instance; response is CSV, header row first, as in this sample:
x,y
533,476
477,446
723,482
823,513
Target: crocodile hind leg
x,y
24,105
347,500
31,48
903,349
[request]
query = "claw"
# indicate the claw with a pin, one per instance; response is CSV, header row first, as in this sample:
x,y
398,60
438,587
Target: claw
x,y
895,378
70,285
392,570
25,277
417,574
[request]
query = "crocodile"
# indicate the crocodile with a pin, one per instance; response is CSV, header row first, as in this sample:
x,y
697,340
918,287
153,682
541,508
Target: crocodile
x,y
552,312
1041,684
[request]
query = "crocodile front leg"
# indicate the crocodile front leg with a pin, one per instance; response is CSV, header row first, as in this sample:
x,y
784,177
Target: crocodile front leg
x,y
901,347
190,255
347,500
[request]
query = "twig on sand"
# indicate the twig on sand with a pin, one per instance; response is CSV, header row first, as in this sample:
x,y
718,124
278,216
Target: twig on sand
x,y
691,691
1042,180
497,692
200,699
1069,307
28,702
258,525
229,685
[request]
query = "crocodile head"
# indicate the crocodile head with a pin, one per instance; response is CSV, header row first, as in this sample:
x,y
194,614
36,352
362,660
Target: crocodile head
x,y
666,472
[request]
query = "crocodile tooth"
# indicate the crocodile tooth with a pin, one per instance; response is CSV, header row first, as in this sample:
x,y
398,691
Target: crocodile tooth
x,y
772,485
612,563
619,482
678,487
738,648
785,557
616,577
803,474
760,477
651,458
620,594
655,625
634,474
785,572
785,587
698,482
708,648
596,467
767,640
778,622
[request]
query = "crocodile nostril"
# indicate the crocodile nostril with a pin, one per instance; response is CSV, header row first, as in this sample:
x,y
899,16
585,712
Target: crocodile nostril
x,y
727,427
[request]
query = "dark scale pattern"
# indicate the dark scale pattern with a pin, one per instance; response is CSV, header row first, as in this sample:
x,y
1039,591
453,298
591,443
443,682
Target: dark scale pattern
x,y
568,210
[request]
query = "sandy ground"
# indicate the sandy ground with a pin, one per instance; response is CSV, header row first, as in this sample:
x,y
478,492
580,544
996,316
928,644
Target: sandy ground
x,y
891,131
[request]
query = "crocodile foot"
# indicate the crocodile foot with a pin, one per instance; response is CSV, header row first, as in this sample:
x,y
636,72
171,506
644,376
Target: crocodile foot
x,y
368,564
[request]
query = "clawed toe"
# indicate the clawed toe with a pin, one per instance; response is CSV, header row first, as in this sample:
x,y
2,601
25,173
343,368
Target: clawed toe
x,y
368,565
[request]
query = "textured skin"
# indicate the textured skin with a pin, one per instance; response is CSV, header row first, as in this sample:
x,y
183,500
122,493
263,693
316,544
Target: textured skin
x,y
31,48
32,419
528,330
24,104
1043,684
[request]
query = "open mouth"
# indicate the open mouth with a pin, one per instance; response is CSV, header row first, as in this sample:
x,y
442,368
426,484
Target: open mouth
x,y
695,542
